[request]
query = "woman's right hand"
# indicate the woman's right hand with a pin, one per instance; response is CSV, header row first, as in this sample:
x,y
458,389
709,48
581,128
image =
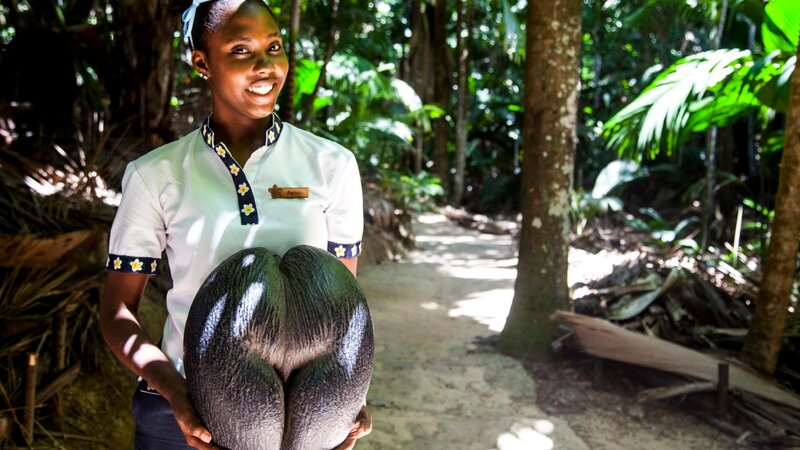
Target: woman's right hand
x,y
196,434
122,331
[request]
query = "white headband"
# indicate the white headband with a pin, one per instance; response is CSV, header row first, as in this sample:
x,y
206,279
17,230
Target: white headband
x,y
188,21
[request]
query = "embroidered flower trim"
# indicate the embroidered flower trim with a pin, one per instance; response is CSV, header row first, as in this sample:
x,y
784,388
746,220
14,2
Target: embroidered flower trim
x,y
248,214
344,250
132,264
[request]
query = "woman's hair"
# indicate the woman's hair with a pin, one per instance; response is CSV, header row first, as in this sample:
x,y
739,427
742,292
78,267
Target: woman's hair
x,y
209,16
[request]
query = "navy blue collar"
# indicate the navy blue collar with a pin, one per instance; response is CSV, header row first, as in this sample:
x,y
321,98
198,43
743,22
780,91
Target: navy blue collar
x,y
248,212
271,136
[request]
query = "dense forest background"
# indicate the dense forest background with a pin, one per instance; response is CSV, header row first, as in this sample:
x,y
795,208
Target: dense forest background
x,y
680,121
425,90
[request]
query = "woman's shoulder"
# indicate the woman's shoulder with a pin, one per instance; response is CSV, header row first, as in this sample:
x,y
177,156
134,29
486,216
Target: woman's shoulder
x,y
168,156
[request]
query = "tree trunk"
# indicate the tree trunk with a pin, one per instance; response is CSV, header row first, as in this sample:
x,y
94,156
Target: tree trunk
x,y
147,69
549,139
764,339
420,72
442,87
420,52
333,38
288,89
462,64
709,205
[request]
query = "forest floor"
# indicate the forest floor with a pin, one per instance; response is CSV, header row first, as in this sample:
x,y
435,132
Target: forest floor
x,y
437,382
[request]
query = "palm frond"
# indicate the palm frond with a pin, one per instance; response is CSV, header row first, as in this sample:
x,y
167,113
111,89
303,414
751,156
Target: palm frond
x,y
694,93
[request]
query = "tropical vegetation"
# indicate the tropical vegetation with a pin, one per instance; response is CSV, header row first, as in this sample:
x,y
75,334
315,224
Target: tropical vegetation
x,y
672,130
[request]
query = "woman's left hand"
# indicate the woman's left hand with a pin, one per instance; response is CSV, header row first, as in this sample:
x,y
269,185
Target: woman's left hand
x,y
361,427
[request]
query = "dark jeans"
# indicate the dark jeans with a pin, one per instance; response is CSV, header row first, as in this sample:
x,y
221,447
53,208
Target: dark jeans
x,y
156,428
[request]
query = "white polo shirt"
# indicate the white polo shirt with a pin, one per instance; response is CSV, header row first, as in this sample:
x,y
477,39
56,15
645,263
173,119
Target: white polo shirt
x,y
192,199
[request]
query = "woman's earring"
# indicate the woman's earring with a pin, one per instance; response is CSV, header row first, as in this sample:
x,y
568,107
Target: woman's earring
x,y
204,76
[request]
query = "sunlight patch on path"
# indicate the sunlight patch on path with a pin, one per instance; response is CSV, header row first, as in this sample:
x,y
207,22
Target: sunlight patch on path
x,y
528,437
489,308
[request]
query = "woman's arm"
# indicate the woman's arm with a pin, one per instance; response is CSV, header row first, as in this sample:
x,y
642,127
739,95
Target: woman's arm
x,y
119,323
351,263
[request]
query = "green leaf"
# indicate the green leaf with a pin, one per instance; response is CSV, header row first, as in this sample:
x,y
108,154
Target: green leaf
x,y
781,27
773,142
306,76
434,112
613,175
776,91
321,102
752,204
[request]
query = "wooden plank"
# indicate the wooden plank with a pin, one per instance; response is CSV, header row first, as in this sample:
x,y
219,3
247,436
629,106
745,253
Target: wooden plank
x,y
602,338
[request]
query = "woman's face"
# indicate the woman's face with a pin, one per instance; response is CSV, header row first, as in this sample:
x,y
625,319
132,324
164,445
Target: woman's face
x,y
245,63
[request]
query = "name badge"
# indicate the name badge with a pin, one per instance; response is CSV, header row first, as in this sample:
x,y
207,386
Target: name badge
x,y
288,192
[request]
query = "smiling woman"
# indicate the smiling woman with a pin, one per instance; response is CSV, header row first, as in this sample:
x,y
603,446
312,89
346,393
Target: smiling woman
x,y
211,194
243,60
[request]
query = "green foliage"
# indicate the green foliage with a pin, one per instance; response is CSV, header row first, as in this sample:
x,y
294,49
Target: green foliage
x,y
771,75
612,179
781,26
584,208
760,209
625,45
411,192
663,232
366,109
710,88
376,115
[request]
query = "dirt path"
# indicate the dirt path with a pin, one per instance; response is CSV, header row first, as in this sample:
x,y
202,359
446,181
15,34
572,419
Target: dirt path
x,y
434,388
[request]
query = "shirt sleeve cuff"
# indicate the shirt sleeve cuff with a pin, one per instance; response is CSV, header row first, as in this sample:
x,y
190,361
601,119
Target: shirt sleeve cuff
x,y
132,264
344,251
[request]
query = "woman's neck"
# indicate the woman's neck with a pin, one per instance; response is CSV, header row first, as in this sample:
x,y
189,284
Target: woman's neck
x,y
241,137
